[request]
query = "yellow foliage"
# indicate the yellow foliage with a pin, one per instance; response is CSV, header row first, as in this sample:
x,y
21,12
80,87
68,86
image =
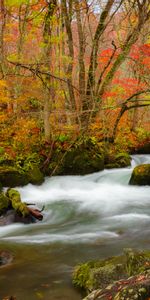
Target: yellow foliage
x,y
3,83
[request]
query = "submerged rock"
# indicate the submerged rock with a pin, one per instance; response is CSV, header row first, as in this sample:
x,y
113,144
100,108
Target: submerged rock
x,y
140,175
5,257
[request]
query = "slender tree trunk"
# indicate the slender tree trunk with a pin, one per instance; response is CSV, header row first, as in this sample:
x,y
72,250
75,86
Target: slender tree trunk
x,y
93,59
47,55
2,27
67,11
81,53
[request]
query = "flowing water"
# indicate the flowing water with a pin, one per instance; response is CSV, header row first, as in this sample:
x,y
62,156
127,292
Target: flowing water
x,y
85,217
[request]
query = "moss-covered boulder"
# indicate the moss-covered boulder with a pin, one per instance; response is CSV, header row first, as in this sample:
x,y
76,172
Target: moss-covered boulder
x,y
84,158
98,274
119,160
11,176
34,175
140,175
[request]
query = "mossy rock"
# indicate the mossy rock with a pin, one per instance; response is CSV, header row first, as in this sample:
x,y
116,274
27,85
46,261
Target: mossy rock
x,y
34,175
11,176
17,205
119,160
99,274
82,159
4,203
140,175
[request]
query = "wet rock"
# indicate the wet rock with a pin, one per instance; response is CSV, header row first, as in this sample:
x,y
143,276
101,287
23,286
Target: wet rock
x,y
12,216
5,257
140,175
13,210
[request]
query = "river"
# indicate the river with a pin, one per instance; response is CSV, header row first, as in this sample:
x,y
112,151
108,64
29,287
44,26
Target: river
x,y
85,217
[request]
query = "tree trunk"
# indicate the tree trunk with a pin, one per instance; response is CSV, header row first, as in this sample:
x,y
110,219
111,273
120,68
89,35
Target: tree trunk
x,y
48,82
2,27
67,11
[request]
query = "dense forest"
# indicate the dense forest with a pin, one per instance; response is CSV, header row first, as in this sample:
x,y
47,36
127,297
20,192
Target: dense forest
x,y
72,69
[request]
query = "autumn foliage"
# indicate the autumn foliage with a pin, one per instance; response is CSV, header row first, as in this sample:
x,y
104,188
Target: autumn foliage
x,y
68,70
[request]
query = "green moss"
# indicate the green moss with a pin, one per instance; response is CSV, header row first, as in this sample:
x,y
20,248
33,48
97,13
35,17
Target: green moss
x,y
4,203
119,160
81,275
83,159
11,176
134,262
140,175
16,203
103,273
34,175
94,274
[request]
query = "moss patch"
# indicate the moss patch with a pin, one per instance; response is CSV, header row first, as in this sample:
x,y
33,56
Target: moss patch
x,y
140,175
34,175
11,176
119,160
99,274
17,205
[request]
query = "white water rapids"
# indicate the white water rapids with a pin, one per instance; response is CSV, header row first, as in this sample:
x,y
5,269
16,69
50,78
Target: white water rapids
x,y
86,209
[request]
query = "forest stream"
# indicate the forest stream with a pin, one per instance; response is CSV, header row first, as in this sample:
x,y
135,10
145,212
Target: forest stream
x,y
85,217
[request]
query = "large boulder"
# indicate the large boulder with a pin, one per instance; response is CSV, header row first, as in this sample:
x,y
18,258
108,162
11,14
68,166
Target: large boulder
x,y
11,176
140,175
83,158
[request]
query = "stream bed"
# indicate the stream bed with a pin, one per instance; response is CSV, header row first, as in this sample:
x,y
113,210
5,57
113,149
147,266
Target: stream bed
x,y
85,217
